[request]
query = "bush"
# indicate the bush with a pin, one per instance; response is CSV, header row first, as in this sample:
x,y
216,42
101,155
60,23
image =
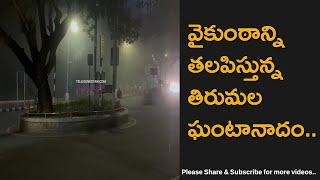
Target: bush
x,y
82,106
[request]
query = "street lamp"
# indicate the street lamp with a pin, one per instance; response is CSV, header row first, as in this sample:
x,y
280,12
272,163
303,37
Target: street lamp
x,y
74,27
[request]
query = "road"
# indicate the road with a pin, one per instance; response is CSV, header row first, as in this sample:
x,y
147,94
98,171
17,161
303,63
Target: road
x,y
10,114
9,122
146,148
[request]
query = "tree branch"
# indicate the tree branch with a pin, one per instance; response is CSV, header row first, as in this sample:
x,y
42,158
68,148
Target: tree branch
x,y
20,54
29,30
56,35
21,16
50,17
58,14
42,20
53,31
51,62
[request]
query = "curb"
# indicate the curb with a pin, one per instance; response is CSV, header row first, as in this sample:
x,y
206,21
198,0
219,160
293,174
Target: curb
x,y
72,124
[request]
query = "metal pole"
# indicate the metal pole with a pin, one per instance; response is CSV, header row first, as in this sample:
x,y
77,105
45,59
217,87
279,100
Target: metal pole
x,y
114,73
17,81
100,93
114,67
89,88
54,82
95,51
68,61
24,89
116,54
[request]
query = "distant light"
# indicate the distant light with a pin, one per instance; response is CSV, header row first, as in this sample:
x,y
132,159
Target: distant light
x,y
74,26
174,87
165,55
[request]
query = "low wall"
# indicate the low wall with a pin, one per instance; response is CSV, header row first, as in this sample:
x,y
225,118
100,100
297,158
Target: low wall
x,y
51,124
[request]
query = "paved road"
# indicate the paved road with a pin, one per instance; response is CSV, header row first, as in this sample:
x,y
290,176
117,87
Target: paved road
x,y
9,122
146,148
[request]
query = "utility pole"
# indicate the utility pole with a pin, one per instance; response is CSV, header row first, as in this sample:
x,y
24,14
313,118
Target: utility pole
x,y
17,86
90,63
95,51
115,54
102,74
54,82
24,87
114,65
67,95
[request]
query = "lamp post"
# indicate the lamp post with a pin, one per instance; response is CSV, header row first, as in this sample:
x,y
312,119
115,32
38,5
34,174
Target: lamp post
x,y
164,67
74,27
24,87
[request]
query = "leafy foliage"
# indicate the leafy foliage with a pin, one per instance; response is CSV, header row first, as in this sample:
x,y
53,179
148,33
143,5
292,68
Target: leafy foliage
x,y
118,15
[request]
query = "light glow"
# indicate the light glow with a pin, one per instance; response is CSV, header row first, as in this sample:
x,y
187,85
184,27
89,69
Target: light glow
x,y
174,87
74,26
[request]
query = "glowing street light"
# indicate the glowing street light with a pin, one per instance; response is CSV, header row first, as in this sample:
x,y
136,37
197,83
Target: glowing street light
x,y
74,27
174,87
127,49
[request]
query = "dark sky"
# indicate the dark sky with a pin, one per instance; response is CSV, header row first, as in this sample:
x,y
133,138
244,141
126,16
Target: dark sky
x,y
8,62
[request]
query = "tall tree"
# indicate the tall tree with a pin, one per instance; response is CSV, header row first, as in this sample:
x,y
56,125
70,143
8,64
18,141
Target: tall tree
x,y
117,14
43,25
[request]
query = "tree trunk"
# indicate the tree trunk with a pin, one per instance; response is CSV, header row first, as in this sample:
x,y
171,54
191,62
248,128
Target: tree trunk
x,y
44,97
